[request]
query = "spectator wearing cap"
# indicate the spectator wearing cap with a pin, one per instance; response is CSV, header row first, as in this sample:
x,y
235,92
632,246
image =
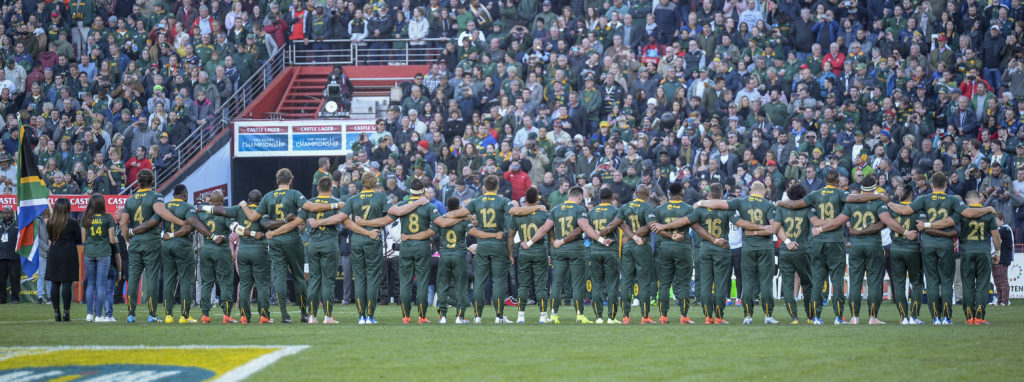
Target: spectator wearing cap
x,y
8,173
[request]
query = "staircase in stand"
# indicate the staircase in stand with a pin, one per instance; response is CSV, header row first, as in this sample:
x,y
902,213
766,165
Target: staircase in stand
x,y
303,97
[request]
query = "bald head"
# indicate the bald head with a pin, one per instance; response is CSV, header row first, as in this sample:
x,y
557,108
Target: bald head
x,y
757,188
642,192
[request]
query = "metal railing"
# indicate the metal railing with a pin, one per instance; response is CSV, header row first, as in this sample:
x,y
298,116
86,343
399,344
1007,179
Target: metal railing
x,y
367,52
229,109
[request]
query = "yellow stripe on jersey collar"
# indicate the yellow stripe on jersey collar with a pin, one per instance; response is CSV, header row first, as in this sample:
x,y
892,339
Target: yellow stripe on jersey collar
x,y
490,194
975,205
604,204
177,200
143,189
638,200
830,186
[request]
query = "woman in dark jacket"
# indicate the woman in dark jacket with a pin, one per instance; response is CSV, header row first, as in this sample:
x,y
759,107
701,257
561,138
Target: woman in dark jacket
x,y
62,261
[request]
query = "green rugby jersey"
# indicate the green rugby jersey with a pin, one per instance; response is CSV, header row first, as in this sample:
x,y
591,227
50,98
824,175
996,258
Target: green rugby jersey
x,y
716,222
976,234
278,204
757,210
796,224
453,239
827,203
235,213
491,212
140,209
565,217
901,242
418,220
637,213
97,236
182,210
218,225
863,215
528,225
366,205
600,216
324,238
937,206
672,211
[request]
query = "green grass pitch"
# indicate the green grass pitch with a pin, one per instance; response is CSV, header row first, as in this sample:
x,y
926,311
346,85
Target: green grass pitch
x,y
575,352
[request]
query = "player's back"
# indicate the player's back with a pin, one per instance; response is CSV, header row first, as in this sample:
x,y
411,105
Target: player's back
x,y
140,209
453,238
600,216
528,225
672,211
976,234
179,209
323,232
795,223
827,203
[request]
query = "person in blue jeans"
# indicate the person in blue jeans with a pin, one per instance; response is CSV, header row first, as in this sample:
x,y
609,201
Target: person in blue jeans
x,y
107,312
98,236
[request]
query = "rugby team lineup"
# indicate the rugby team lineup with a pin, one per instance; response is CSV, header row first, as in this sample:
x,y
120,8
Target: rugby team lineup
x,y
605,255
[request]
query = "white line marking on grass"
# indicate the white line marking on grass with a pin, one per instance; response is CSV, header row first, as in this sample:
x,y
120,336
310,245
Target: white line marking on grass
x,y
250,368
132,347
236,374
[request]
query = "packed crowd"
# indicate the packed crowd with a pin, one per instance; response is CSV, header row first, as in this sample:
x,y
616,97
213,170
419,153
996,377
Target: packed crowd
x,y
623,93
107,88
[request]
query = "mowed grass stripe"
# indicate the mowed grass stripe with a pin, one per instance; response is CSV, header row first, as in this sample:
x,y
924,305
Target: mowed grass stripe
x,y
572,352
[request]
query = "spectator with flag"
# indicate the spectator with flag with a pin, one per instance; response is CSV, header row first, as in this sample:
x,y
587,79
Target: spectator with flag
x,y
33,200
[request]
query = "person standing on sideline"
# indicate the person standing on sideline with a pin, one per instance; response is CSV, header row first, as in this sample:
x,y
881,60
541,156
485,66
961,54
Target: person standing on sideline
x,y
714,256
937,242
417,214
367,208
216,266
906,262
604,260
637,255
278,212
322,171
793,228
43,238
568,256
10,260
1001,262
980,243
323,250
62,269
98,235
453,266
757,265
142,212
828,249
178,258
675,256
866,255
493,254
